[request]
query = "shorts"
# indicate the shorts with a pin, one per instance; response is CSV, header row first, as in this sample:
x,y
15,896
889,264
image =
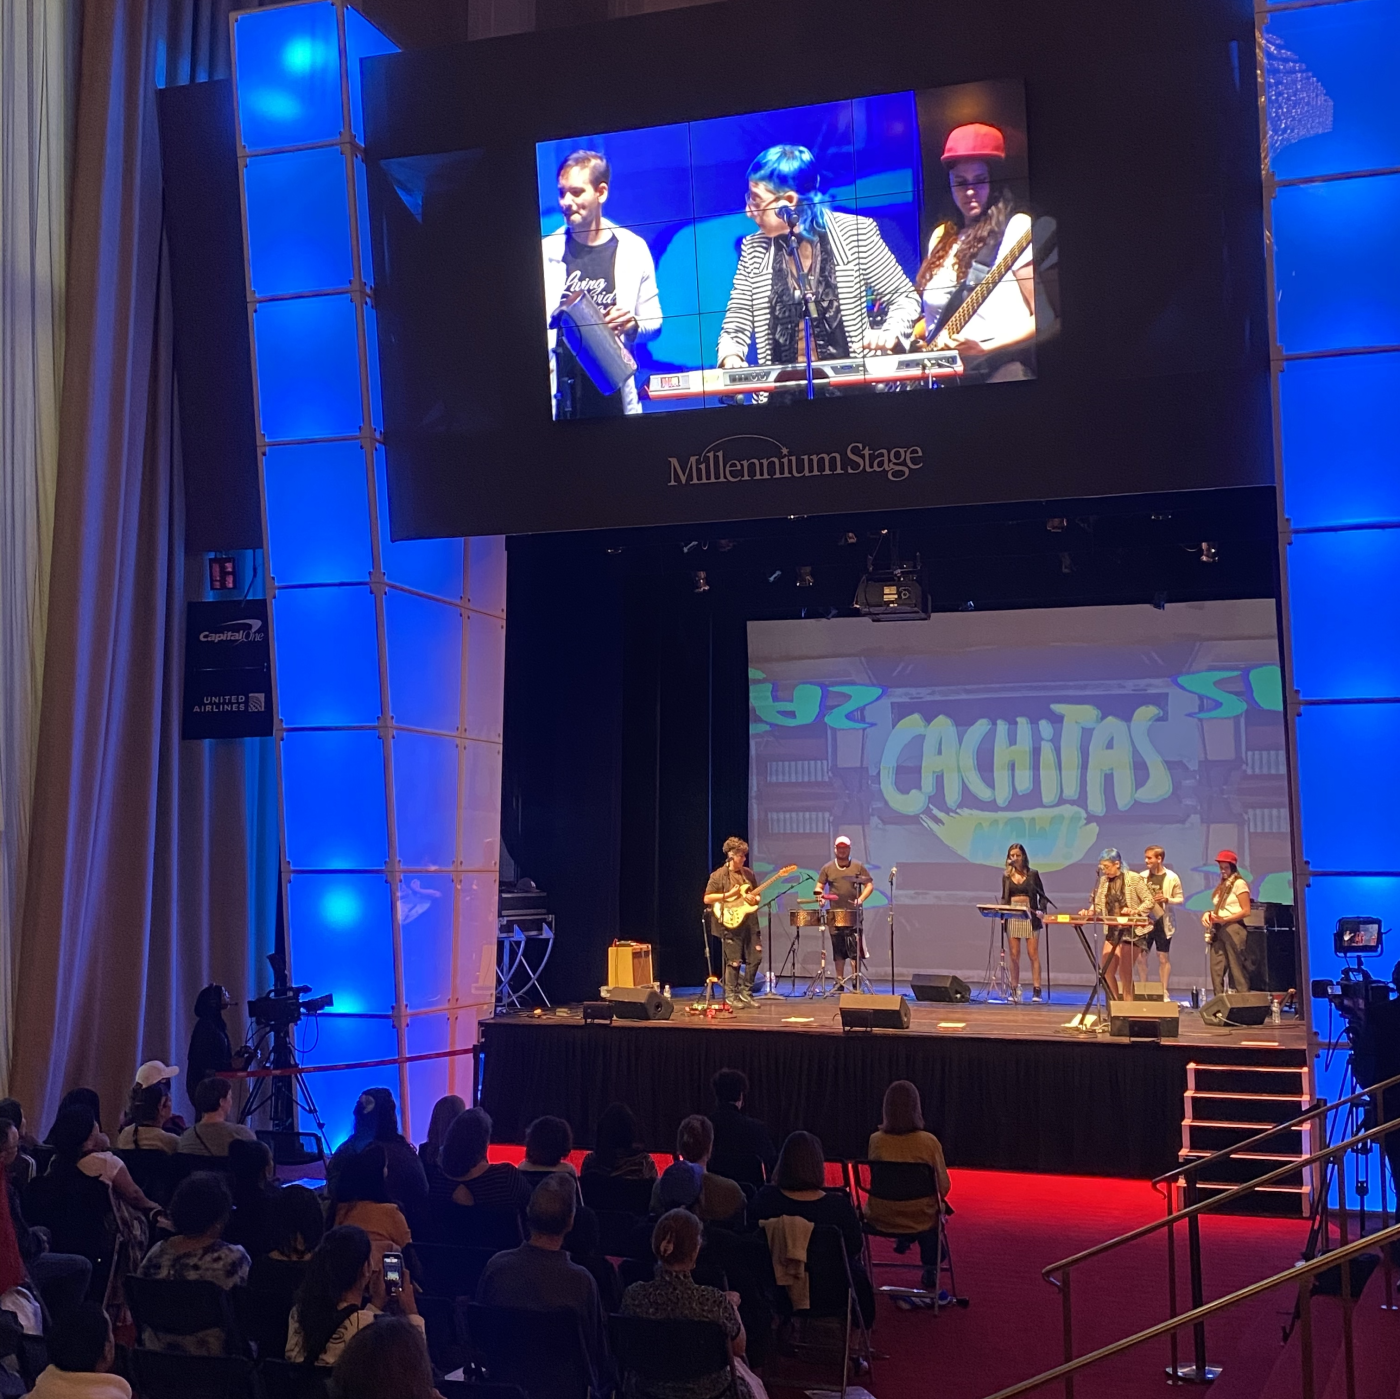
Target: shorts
x,y
845,943
1115,935
1158,937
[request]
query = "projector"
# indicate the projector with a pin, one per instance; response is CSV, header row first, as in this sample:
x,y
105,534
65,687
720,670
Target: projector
x,y
896,596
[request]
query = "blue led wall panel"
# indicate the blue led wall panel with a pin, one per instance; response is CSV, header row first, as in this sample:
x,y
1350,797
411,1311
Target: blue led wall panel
x,y
388,658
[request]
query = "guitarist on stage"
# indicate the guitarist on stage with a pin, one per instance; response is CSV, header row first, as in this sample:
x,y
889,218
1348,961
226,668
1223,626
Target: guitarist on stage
x,y
743,951
844,883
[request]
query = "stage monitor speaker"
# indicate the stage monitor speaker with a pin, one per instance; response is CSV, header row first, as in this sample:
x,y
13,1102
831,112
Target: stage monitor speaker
x,y
597,1012
935,986
874,1012
1237,1008
639,1003
1144,1020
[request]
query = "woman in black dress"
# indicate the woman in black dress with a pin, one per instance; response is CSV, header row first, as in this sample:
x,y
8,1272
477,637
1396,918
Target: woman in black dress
x,y
1021,885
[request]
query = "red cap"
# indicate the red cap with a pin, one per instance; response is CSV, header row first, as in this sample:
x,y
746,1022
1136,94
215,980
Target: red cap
x,y
975,141
1227,855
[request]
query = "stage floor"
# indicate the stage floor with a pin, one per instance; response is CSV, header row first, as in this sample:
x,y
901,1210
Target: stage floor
x,y
1006,1087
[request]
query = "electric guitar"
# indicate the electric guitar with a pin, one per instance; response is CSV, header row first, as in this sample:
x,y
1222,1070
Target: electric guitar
x,y
742,899
972,302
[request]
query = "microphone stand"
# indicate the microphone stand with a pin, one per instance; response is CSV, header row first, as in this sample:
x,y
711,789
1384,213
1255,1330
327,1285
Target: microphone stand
x,y
894,870
809,301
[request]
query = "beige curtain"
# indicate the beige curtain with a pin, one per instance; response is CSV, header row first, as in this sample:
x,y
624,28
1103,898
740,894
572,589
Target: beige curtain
x,y
149,868
36,93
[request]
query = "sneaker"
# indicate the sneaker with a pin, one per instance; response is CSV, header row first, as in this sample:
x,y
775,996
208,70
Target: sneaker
x,y
1036,994
1015,996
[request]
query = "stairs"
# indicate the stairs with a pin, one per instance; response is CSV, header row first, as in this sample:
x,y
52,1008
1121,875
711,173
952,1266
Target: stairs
x,y
1229,1103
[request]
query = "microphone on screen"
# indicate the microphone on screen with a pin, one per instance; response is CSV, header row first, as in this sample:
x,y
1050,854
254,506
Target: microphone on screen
x,y
788,215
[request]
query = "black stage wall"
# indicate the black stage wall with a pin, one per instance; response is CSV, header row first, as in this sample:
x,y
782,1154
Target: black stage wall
x,y
626,733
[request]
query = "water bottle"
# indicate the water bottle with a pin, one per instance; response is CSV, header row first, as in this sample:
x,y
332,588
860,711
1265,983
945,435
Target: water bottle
x,y
1276,1015
666,992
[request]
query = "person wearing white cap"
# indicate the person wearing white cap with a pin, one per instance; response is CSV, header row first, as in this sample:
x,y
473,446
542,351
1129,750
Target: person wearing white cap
x,y
149,1122
844,883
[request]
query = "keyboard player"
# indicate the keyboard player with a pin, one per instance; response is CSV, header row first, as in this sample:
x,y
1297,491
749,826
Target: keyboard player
x,y
843,259
1119,893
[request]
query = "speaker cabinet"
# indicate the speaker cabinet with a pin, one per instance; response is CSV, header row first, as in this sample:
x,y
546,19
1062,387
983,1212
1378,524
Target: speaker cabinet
x,y
639,1003
935,986
1144,1020
874,1012
1237,1008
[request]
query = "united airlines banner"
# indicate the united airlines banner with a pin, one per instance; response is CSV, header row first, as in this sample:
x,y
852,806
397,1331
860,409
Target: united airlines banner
x,y
228,679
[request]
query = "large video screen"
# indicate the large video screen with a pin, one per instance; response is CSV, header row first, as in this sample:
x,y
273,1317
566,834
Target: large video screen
x,y
879,245
935,745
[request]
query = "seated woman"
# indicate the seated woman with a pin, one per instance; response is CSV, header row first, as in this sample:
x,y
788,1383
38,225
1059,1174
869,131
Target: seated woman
x,y
199,1209
844,261
389,1358
360,1196
82,1098
797,1188
296,1225
255,1192
673,1295
468,1178
445,1112
548,1142
377,1122
617,1152
150,1109
901,1137
342,1294
78,1142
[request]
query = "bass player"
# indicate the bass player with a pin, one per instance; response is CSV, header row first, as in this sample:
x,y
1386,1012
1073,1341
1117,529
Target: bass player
x,y
743,950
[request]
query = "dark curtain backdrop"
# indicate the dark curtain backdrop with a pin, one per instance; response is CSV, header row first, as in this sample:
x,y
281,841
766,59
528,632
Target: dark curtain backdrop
x,y
153,862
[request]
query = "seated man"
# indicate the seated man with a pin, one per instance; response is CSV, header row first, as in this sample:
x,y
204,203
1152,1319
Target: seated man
x,y
740,1140
720,1199
211,1135
540,1276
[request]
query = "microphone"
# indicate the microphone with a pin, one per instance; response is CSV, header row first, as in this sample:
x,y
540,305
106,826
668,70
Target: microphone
x,y
788,215
894,870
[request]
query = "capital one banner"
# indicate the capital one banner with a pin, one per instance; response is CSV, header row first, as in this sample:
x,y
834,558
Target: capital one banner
x,y
935,745
228,679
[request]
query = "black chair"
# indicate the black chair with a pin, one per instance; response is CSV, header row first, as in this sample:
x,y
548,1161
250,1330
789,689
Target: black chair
x,y
829,1324
166,1307
263,1317
77,1211
623,1235
165,1375
475,1226
279,1276
282,1379
293,1148
640,1270
900,1182
616,1193
449,1271
541,1351
747,1170
659,1353
446,1348
156,1172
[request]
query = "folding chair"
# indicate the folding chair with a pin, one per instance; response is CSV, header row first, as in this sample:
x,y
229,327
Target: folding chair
x,y
451,1271
165,1308
900,1182
541,1351
654,1354
284,1379
263,1317
476,1226
164,1375
616,1193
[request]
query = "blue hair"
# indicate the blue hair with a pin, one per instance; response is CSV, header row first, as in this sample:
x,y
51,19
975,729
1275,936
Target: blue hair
x,y
794,168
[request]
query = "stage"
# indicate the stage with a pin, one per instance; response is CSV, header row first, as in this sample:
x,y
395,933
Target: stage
x,y
1005,1087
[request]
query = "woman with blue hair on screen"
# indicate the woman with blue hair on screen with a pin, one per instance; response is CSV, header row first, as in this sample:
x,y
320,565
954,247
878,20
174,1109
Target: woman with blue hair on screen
x,y
844,261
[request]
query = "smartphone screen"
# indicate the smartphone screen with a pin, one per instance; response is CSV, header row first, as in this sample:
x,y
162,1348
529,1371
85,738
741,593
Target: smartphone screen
x,y
393,1272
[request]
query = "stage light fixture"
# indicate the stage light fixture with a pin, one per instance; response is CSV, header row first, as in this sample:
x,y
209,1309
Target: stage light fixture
x,y
1208,553
702,584
804,575
1057,524
775,575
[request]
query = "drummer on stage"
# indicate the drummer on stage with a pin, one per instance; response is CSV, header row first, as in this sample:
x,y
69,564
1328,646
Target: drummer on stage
x,y
844,883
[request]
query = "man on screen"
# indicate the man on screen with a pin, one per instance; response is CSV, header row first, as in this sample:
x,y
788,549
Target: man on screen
x,y
609,265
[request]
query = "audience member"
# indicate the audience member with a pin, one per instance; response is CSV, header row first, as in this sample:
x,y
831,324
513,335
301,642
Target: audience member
x,y
616,1151
81,1356
797,1188
148,1112
548,1142
211,1135
23,1168
331,1306
82,1098
79,1142
901,1137
388,1360
199,1209
297,1224
467,1177
360,1196
377,1121
255,1192
540,1276
62,1278
717,1198
445,1112
152,1072
211,1050
673,1295
741,1142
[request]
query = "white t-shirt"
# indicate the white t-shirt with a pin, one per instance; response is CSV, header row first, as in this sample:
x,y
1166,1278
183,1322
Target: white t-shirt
x,y
101,1165
1230,906
1004,315
147,1138
344,1333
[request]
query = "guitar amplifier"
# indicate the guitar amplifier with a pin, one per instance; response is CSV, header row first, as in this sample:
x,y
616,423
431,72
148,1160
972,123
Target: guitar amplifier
x,y
1144,1020
629,964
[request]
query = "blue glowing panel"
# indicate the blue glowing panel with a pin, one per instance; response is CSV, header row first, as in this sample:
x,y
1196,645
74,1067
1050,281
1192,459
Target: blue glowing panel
x,y
1330,79
342,939
347,1039
425,920
376,396
308,367
425,661
429,565
288,68
1348,761
425,799
1341,420
327,656
481,806
298,221
1329,576
362,223
333,797
1336,303
362,40
318,512
432,1079
485,697
1330,897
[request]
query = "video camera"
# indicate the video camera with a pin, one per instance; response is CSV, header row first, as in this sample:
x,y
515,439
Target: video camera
x,y
283,1006
1356,992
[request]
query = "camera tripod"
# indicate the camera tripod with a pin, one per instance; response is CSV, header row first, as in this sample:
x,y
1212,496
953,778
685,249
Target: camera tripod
x,y
281,1093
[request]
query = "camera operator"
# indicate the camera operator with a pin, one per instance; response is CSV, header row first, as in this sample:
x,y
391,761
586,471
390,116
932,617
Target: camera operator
x,y
1377,1057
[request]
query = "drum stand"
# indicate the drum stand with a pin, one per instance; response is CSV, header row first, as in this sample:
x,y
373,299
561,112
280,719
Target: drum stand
x,y
999,987
818,986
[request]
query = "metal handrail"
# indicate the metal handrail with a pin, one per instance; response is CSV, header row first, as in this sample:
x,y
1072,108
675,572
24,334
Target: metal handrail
x,y
1299,1272
1318,1109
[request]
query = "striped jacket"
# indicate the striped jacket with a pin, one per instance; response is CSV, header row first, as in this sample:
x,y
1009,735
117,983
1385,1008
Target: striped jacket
x,y
864,265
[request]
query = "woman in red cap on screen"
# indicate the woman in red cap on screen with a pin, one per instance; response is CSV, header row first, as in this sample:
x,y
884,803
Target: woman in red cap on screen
x,y
996,343
1226,935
